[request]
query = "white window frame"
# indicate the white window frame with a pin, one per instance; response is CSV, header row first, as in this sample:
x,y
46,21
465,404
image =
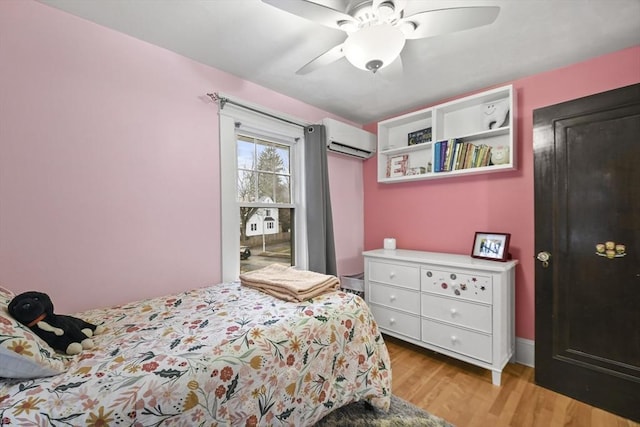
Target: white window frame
x,y
231,120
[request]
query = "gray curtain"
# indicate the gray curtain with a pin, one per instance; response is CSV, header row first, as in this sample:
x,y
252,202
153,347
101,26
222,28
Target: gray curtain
x,y
322,250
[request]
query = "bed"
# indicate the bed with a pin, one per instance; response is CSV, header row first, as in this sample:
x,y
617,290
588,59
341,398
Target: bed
x,y
221,355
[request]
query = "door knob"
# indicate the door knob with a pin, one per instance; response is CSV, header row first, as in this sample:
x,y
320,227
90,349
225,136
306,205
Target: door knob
x,y
544,257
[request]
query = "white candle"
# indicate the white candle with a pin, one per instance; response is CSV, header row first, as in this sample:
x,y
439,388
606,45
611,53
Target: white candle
x,y
389,243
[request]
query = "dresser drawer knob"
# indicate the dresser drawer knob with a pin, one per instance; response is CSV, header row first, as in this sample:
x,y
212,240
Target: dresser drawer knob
x,y
392,298
392,321
392,274
454,339
453,312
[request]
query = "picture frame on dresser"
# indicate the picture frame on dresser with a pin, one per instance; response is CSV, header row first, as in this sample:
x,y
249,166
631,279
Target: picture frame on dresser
x,y
490,245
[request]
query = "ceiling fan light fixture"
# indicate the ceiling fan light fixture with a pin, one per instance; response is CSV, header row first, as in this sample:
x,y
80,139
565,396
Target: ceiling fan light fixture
x,y
407,27
374,47
386,10
348,26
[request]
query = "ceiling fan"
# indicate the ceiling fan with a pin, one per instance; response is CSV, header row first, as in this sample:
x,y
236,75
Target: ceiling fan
x,y
377,29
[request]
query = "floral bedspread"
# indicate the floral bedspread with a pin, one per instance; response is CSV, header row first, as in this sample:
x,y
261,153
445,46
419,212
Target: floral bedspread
x,y
218,356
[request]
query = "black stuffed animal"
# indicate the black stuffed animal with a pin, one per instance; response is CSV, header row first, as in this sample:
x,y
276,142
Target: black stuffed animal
x,y
67,334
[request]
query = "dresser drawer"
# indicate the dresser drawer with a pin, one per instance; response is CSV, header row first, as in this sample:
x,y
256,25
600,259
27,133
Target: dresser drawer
x,y
461,284
401,323
395,274
458,312
463,341
395,297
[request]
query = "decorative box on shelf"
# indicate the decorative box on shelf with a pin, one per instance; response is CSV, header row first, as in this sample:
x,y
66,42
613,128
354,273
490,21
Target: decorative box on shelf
x,y
419,136
465,136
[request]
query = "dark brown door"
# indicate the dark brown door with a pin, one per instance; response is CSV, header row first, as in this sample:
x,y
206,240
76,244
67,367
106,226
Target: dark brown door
x,y
587,192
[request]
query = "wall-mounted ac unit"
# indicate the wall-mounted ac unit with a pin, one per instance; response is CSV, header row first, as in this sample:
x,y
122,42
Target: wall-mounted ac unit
x,y
350,140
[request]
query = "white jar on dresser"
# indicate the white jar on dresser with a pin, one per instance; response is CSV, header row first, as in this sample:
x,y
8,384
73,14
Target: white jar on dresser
x,y
453,304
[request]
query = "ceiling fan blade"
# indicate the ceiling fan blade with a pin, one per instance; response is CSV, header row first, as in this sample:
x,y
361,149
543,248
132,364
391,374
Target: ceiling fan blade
x,y
312,11
436,22
330,56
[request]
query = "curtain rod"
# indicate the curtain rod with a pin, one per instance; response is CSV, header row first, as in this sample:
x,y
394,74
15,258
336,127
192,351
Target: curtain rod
x,y
222,101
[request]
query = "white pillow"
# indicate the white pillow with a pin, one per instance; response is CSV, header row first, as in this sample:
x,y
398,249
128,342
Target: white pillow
x,y
15,365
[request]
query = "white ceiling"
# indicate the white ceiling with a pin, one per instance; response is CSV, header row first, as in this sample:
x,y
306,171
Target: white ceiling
x,y
265,45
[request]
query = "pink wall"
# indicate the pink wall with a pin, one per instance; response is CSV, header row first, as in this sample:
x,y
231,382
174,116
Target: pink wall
x,y
109,163
443,215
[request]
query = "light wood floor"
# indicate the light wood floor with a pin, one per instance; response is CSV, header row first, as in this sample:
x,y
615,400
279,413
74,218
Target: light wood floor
x,y
464,395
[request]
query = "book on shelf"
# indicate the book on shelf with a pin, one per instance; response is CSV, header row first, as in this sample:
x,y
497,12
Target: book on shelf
x,y
484,156
445,156
452,148
463,155
440,153
480,156
468,159
453,154
459,156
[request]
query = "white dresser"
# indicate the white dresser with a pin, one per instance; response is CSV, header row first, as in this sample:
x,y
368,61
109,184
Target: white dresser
x,y
453,304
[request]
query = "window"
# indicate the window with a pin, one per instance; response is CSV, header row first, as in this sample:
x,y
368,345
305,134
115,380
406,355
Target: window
x,y
261,191
264,180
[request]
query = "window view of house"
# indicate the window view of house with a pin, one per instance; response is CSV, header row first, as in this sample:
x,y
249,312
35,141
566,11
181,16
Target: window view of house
x,y
264,198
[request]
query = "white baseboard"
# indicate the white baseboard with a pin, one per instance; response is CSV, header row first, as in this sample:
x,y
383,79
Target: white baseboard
x,y
525,352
